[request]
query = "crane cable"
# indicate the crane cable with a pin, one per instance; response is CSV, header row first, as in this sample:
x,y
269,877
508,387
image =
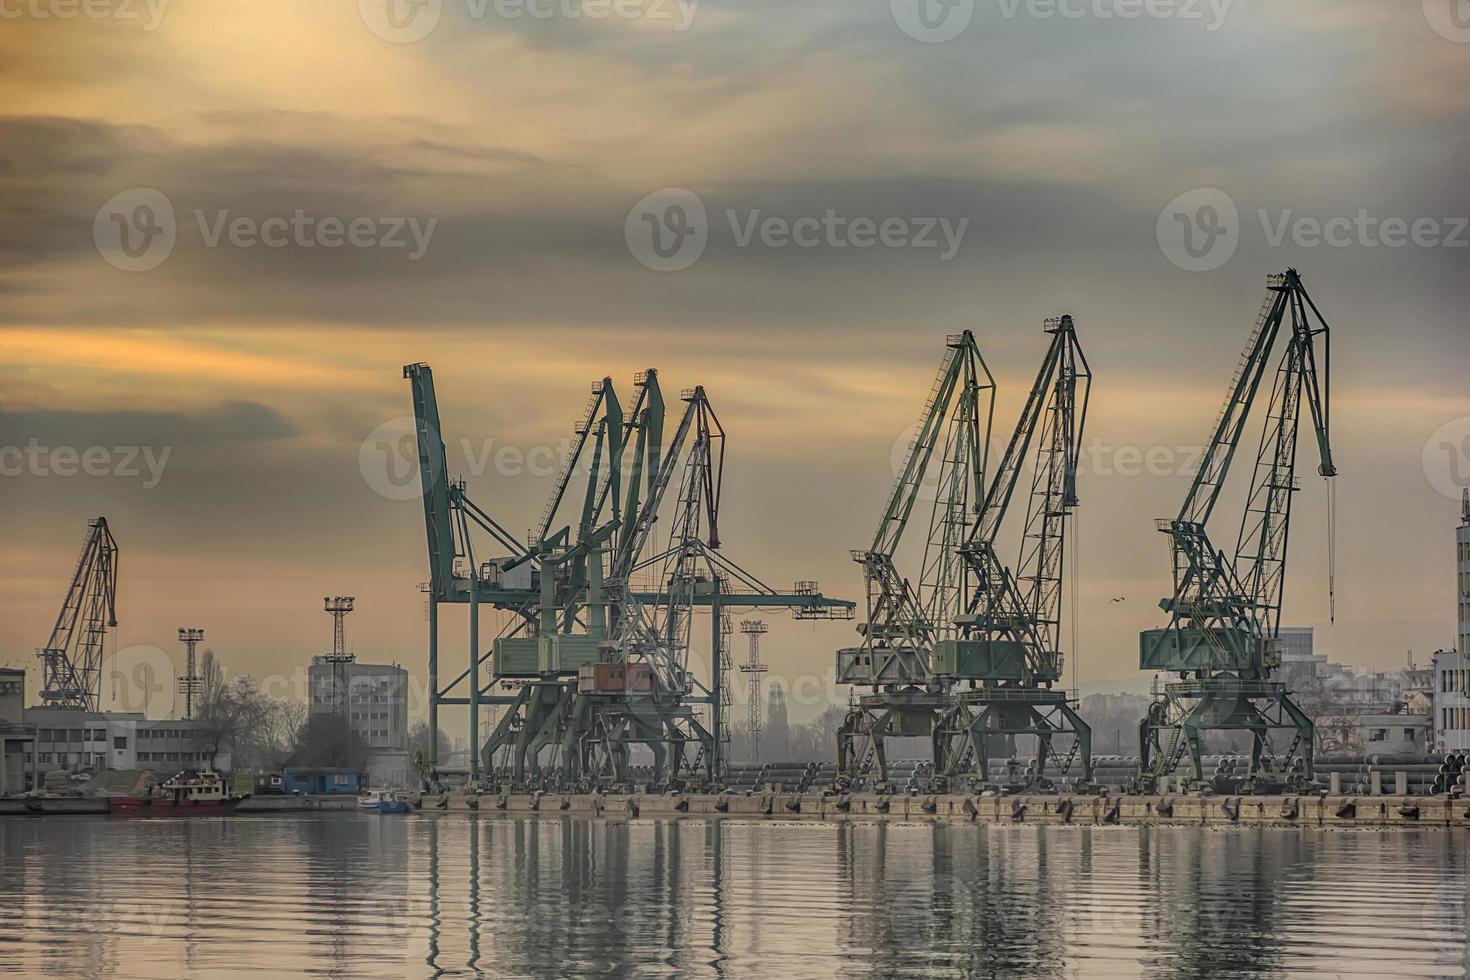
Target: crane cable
x,y
1332,551
1076,653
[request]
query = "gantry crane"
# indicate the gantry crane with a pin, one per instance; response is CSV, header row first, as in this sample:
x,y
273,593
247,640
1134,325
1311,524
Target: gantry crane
x,y
596,654
1006,648
71,660
895,660
1222,639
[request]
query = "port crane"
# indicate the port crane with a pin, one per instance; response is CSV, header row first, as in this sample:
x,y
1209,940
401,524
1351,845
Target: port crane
x,y
907,691
1222,638
71,660
594,658
1005,649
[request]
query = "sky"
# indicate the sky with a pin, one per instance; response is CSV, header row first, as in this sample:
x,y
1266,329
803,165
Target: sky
x,y
225,226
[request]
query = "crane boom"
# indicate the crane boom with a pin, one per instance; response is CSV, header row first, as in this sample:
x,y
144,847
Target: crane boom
x,y
1222,639
72,657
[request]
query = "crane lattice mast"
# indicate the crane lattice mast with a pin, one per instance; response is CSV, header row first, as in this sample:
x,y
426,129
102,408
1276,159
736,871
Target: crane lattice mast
x,y
1222,639
905,621
71,660
1007,647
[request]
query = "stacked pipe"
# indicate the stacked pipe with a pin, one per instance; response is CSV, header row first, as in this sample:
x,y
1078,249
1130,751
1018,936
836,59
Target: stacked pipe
x,y
1356,772
1451,778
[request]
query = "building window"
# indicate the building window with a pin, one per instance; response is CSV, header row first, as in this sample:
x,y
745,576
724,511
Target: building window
x,y
120,742
1378,735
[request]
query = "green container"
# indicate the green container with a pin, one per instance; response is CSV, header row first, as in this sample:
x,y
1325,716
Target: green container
x,y
1197,649
981,660
517,657
567,654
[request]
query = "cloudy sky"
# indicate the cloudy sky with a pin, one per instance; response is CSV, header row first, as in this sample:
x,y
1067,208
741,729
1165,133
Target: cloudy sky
x,y
227,224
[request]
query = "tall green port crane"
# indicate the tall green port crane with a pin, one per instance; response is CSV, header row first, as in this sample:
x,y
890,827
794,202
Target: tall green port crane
x,y
1223,636
594,658
905,620
1006,648
71,660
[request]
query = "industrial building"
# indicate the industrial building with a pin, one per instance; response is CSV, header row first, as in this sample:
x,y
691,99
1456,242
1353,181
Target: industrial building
x,y
1452,667
374,699
72,740
16,736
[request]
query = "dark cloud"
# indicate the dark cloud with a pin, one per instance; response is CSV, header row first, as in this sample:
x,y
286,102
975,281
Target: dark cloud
x,y
229,423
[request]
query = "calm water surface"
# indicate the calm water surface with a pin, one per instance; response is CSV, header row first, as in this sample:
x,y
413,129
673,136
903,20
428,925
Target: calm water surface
x,y
362,895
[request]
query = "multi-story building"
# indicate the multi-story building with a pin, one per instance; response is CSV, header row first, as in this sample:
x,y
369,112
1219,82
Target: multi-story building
x,y
374,700
16,737
1452,667
66,739
1462,579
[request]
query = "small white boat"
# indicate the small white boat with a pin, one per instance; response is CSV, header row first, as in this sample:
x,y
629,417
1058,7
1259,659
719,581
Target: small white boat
x,y
372,799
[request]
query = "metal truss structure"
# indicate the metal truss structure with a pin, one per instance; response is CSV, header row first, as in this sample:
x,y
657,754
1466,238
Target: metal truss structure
x,y
1222,640
595,659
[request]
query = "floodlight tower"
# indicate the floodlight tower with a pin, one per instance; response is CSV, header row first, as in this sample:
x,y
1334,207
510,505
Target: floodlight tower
x,y
754,670
338,607
191,685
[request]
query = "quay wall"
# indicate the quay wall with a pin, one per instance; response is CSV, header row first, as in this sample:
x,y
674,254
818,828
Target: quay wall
x,y
1196,810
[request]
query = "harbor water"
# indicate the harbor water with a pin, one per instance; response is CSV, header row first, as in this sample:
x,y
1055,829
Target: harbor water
x,y
356,894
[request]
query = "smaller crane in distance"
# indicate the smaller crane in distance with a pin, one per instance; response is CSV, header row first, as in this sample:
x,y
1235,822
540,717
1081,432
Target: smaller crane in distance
x,y
71,660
